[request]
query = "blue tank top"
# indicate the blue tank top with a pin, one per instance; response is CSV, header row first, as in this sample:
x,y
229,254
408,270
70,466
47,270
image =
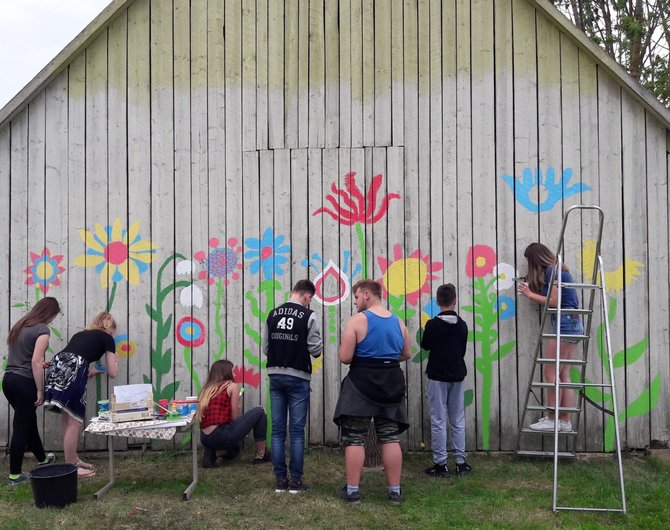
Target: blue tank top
x,y
383,340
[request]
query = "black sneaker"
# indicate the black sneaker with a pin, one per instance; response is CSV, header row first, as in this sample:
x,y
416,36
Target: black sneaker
x,y
395,498
297,487
438,470
208,457
267,457
463,469
282,485
23,477
352,498
51,458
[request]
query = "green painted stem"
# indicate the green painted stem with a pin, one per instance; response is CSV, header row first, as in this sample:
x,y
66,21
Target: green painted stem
x,y
37,294
188,359
361,244
110,299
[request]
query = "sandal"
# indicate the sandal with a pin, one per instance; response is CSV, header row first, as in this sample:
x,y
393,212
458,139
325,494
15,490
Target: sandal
x,y
85,473
85,465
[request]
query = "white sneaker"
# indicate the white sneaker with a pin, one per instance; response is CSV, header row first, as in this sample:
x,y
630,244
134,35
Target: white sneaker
x,y
543,424
564,425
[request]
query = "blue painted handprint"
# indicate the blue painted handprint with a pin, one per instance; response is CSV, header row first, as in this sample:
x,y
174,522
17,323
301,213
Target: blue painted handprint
x,y
556,189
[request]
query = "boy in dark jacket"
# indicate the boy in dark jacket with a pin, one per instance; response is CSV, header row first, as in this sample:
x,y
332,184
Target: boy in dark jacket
x,y
445,338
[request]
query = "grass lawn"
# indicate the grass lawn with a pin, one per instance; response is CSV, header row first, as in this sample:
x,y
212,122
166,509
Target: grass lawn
x,y
502,492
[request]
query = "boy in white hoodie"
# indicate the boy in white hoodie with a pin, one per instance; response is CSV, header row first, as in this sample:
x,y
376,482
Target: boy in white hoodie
x,y
445,337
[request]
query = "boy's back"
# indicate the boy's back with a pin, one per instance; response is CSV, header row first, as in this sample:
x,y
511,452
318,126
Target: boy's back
x,y
446,337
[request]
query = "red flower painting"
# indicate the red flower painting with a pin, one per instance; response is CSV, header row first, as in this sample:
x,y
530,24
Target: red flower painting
x,y
349,206
246,377
480,261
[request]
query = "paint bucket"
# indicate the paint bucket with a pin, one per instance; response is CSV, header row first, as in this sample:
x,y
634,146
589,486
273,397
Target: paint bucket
x,y
103,409
192,404
54,485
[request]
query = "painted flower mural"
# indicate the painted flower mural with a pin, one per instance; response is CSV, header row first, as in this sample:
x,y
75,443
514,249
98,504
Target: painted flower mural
x,y
480,261
349,206
117,254
125,348
333,285
538,193
44,270
267,254
407,277
616,279
222,262
247,377
191,334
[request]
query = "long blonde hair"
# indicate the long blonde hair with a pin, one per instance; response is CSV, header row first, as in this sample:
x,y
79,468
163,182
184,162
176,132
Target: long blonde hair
x,y
540,258
220,376
103,321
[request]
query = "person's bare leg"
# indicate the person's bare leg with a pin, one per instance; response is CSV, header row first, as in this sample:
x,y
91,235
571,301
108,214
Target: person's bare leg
x,y
567,394
392,460
354,458
550,376
70,428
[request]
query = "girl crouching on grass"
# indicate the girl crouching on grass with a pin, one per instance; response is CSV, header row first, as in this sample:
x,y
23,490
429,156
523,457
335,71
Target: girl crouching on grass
x,y
222,427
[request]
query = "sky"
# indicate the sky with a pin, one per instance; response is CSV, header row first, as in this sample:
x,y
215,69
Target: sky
x,y
33,32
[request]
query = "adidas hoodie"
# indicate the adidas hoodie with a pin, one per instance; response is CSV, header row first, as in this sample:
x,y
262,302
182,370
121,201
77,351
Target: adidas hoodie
x,y
446,338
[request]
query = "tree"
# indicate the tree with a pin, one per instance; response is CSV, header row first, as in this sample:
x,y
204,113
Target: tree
x,y
635,33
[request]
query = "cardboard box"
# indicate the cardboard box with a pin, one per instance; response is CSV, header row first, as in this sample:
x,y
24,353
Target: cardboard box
x,y
140,408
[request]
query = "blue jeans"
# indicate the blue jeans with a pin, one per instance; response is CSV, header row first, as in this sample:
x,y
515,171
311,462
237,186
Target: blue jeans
x,y
447,407
289,396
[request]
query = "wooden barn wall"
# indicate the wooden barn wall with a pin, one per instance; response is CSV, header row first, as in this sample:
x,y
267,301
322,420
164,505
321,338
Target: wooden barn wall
x,y
201,156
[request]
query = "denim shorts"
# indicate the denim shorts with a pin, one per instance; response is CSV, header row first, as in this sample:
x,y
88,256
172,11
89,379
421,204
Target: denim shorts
x,y
570,325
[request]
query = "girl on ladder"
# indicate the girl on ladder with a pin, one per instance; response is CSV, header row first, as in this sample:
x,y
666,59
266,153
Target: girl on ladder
x,y
541,263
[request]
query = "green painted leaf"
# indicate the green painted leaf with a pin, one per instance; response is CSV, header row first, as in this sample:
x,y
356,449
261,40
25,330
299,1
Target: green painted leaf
x,y
170,390
593,393
630,355
505,349
250,357
255,309
166,362
646,401
147,379
163,329
153,314
156,357
19,304
468,397
56,332
255,335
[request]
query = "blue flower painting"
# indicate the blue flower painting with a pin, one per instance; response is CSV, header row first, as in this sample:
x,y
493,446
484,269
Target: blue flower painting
x,y
506,307
531,185
266,254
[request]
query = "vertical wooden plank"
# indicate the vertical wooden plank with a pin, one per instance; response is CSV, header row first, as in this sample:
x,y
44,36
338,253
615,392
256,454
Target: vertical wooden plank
x,y
356,26
382,78
5,183
507,249
657,274
303,73
249,61
592,419
332,75
183,236
368,68
291,79
276,125
397,74
200,201
317,73
345,52
282,213
526,162
98,285
140,332
329,371
484,215
261,74
636,315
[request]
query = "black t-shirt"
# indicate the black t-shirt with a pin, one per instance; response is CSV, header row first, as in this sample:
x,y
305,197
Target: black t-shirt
x,y
91,344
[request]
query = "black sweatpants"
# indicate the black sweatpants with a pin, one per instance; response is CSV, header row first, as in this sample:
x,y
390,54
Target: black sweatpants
x,y
230,435
21,393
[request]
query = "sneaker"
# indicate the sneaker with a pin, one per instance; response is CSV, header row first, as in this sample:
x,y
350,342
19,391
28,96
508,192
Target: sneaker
x,y
267,457
564,425
395,498
463,469
23,477
543,424
438,470
297,487
51,458
352,498
208,457
282,485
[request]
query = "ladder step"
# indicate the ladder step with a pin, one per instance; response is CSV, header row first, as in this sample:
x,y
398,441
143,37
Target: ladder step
x,y
574,285
561,454
570,311
565,336
527,430
539,384
576,362
560,409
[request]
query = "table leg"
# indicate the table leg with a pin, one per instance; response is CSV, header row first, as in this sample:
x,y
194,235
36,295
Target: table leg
x,y
194,446
110,452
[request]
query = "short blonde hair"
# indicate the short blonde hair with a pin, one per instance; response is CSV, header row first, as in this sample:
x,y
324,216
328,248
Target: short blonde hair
x,y
103,321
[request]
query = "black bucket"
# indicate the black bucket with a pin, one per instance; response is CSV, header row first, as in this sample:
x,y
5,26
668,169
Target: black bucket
x,y
54,485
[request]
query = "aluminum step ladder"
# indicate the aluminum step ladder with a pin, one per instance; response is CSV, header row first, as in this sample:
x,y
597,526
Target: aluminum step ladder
x,y
596,291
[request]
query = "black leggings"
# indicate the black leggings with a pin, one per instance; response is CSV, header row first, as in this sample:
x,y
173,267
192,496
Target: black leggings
x,y
21,393
230,435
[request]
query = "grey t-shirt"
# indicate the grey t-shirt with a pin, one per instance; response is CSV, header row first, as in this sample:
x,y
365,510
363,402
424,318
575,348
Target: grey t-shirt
x,y
21,354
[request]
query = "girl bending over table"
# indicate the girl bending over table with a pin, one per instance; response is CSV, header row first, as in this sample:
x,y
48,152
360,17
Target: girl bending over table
x,y
222,427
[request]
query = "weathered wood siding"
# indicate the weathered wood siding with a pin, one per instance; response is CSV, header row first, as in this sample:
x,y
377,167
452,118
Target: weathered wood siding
x,y
204,156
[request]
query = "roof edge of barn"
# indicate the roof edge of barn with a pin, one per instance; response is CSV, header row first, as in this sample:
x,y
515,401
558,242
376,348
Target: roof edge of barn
x,y
107,16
